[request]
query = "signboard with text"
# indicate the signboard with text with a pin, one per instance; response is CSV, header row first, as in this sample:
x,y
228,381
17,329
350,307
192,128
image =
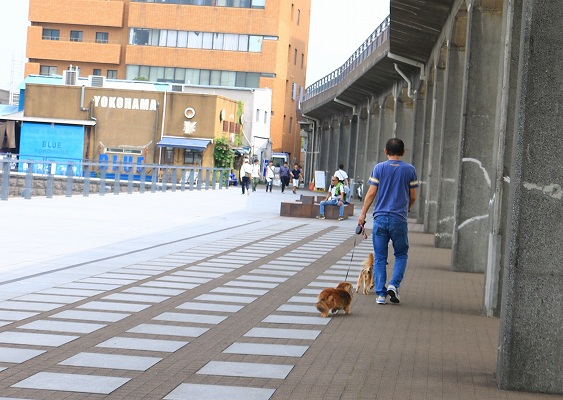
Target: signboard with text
x,y
43,142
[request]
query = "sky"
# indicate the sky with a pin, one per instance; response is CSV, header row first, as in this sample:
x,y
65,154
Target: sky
x,y
337,29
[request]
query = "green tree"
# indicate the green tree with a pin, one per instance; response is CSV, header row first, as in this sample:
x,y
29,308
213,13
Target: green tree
x,y
223,154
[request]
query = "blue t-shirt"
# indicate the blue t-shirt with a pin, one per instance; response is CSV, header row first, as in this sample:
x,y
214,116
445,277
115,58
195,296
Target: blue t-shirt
x,y
393,179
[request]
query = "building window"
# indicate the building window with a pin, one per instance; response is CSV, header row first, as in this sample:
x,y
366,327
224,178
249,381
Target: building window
x,y
295,57
97,72
294,91
101,37
258,4
192,76
169,155
76,36
290,124
298,16
302,60
112,74
265,117
51,34
47,70
193,157
257,114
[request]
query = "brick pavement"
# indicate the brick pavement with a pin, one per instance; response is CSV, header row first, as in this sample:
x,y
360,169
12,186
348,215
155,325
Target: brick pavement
x,y
183,310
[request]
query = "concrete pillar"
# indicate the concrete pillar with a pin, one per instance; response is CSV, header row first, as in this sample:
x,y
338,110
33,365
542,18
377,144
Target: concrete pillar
x,y
450,142
372,148
428,90
344,143
506,116
531,338
404,123
418,148
332,163
351,155
469,246
365,133
433,172
324,147
387,124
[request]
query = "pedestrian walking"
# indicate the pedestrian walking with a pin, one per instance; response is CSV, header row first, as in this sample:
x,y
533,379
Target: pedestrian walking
x,y
284,176
270,175
296,176
256,174
245,174
393,185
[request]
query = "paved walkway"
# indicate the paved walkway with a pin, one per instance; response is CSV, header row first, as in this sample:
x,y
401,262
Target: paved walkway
x,y
210,295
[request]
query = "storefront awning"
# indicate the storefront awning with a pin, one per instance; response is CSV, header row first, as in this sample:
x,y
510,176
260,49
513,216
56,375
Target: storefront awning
x,y
18,116
183,143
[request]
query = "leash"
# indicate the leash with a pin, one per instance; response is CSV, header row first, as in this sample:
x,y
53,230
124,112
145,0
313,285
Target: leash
x,y
360,230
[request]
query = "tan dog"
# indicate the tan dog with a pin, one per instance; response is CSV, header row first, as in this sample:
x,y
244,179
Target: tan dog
x,y
366,275
334,299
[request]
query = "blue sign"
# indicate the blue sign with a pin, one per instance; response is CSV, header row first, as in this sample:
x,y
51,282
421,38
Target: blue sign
x,y
51,142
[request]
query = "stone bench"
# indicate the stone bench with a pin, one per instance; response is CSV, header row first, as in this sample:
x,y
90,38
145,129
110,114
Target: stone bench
x,y
308,207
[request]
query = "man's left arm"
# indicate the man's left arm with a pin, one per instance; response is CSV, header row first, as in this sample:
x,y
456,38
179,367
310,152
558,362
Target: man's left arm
x,y
412,196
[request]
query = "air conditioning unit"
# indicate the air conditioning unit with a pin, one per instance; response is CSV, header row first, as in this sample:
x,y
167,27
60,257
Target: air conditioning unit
x,y
96,80
70,77
176,88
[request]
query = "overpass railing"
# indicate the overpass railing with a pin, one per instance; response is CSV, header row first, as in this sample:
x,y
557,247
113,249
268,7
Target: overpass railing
x,y
379,36
20,177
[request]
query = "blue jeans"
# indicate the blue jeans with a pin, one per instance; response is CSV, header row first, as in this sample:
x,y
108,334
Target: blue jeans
x,y
332,202
387,228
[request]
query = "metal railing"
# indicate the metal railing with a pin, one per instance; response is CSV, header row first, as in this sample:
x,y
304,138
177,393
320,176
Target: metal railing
x,y
379,36
28,178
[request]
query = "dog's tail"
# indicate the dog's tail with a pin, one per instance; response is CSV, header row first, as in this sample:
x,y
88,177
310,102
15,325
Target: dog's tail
x,y
321,306
368,262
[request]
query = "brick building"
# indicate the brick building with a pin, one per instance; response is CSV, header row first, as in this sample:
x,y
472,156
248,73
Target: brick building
x,y
235,43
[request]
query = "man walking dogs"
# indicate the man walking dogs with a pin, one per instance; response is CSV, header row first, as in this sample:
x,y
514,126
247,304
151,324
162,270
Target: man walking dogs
x,y
393,185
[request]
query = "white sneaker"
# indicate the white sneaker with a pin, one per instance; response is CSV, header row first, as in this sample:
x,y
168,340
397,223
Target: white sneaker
x,y
393,294
381,300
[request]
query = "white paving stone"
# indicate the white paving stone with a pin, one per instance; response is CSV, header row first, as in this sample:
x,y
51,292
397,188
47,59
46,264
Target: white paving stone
x,y
261,278
211,275
112,306
35,339
139,298
278,333
18,356
298,308
49,298
71,292
172,285
226,298
167,346
261,349
111,361
231,308
96,286
28,305
303,299
231,290
215,392
169,330
72,383
157,291
193,318
249,370
62,326
90,315
16,315
296,320
262,285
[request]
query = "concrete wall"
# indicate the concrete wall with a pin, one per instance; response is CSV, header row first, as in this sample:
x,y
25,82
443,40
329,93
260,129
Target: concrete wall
x,y
485,130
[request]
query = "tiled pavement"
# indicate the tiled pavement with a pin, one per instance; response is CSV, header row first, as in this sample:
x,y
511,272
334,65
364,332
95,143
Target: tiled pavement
x,y
210,295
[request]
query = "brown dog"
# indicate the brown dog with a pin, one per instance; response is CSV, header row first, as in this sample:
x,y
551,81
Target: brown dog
x,y
334,299
366,275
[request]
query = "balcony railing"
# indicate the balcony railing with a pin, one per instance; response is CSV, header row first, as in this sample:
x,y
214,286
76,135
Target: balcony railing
x,y
379,36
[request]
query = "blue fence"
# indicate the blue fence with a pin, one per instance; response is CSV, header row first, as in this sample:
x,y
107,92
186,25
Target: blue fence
x,y
19,177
